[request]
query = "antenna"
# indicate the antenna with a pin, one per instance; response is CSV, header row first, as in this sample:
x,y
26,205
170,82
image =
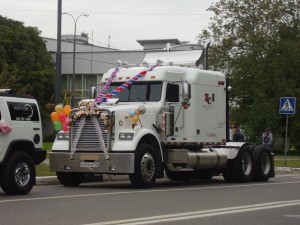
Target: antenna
x,y
205,61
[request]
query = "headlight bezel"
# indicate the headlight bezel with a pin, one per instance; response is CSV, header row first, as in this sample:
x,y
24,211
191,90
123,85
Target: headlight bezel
x,y
126,136
63,136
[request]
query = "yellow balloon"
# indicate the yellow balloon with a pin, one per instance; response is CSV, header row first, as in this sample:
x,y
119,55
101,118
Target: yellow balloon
x,y
67,110
59,109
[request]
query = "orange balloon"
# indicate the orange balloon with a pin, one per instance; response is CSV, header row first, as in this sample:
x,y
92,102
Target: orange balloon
x,y
54,116
67,110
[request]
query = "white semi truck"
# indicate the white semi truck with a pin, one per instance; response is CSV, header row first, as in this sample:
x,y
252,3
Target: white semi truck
x,y
151,122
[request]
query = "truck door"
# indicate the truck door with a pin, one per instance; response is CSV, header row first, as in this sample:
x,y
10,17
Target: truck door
x,y
173,99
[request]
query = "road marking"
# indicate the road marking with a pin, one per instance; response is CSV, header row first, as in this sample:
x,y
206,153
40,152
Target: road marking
x,y
293,216
146,191
200,214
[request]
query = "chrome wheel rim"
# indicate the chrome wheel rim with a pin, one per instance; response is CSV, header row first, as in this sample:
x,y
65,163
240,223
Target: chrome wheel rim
x,y
265,163
247,163
147,167
22,174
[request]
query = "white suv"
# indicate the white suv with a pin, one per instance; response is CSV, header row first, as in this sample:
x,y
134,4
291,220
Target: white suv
x,y
20,144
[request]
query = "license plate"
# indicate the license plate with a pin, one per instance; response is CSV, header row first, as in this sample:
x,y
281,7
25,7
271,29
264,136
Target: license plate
x,y
89,164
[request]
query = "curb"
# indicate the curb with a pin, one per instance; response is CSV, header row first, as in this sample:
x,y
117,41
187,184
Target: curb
x,y
52,180
287,170
46,180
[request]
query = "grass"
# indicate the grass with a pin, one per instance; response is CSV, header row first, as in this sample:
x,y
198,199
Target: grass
x,y
43,169
289,163
47,146
293,159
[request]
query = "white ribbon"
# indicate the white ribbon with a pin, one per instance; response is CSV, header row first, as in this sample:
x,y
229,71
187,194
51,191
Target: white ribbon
x,y
100,137
77,136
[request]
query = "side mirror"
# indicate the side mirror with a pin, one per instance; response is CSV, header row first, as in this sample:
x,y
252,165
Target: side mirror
x,y
186,94
93,92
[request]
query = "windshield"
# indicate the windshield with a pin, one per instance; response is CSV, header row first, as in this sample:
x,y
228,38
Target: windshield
x,y
138,91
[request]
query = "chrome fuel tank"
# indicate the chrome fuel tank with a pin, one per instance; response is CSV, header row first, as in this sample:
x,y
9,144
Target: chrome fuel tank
x,y
197,160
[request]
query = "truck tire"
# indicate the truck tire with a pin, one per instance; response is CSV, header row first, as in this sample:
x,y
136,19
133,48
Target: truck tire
x,y
145,168
70,179
179,176
242,165
262,161
18,174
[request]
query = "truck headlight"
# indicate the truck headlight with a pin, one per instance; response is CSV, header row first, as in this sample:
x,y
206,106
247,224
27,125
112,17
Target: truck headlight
x,y
63,136
126,136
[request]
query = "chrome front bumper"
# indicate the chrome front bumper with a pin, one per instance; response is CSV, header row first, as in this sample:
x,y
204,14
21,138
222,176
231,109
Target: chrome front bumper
x,y
119,163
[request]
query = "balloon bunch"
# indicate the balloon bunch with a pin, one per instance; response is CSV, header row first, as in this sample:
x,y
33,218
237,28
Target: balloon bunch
x,y
60,117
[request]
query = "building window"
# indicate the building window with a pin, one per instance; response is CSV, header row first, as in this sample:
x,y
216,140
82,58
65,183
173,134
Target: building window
x,y
83,82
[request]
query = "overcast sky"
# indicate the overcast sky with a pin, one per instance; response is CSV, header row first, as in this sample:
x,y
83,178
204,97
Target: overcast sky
x,y
125,21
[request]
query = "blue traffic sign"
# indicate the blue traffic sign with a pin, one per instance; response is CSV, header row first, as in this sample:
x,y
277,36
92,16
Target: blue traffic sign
x,y
287,105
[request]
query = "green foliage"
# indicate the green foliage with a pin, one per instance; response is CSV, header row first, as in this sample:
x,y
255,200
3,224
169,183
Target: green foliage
x,y
25,64
47,146
256,43
43,170
288,163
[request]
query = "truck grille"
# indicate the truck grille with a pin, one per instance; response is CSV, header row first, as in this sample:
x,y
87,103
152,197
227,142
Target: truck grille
x,y
88,140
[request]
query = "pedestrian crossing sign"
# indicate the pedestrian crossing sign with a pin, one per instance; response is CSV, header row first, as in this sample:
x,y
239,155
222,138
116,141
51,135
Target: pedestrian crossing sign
x,y
287,105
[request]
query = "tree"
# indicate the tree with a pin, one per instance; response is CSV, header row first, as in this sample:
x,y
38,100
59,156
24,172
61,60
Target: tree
x,y
25,64
256,43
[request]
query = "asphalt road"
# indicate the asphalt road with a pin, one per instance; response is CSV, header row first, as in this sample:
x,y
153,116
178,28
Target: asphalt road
x,y
195,202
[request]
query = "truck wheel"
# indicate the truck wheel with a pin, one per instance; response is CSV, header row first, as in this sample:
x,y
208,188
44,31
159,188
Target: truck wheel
x,y
145,168
70,179
18,174
262,161
242,166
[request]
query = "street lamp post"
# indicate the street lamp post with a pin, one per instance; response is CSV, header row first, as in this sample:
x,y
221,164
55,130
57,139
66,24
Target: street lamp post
x,y
74,54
